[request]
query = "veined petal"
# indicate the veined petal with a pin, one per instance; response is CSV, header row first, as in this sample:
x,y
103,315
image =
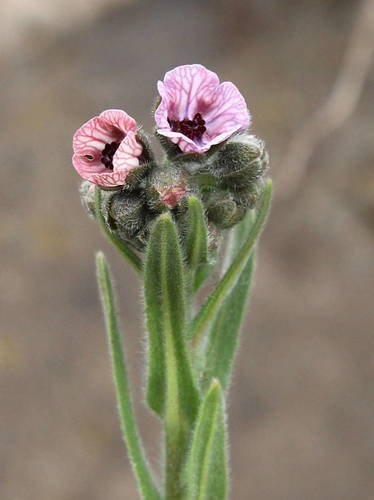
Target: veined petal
x,y
91,137
184,89
119,119
86,167
227,111
127,155
109,178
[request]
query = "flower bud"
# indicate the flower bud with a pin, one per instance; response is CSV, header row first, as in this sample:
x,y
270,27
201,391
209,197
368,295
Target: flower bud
x,y
126,213
87,194
241,162
223,210
247,197
166,187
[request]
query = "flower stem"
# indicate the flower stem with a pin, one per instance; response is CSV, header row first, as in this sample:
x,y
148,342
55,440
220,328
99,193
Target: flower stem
x,y
132,258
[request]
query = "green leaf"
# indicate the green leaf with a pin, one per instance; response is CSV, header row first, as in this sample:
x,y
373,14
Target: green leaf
x,y
206,471
125,250
126,414
171,390
195,238
196,235
169,380
224,333
214,301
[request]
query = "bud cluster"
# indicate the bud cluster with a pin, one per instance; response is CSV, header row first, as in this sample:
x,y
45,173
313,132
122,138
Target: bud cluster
x,y
228,181
210,155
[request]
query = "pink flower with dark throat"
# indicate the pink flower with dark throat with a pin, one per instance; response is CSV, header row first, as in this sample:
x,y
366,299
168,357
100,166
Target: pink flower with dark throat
x,y
106,148
197,111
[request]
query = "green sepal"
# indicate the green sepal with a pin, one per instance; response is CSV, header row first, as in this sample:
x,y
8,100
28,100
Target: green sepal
x,y
215,299
223,337
169,378
206,470
172,150
129,428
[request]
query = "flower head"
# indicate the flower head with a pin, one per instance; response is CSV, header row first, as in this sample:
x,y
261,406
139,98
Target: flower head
x,y
106,148
196,111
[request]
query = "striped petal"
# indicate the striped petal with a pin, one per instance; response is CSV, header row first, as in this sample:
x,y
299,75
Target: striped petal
x,y
126,158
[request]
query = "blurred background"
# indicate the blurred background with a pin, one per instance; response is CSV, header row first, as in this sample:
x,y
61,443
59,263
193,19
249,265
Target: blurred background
x,y
301,406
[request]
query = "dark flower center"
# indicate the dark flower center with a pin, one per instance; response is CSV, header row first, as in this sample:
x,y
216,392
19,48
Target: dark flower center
x,y
108,152
193,129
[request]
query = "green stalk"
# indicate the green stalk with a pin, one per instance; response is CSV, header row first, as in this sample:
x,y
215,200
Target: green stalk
x,y
214,301
127,419
129,255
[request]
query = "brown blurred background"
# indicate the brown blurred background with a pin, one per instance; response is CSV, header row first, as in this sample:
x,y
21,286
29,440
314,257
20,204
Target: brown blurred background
x,y
301,407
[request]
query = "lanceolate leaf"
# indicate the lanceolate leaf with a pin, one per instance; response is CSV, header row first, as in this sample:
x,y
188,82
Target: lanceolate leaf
x,y
196,236
206,468
214,301
224,332
169,373
126,414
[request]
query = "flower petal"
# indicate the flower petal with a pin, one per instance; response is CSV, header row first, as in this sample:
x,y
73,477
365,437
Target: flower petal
x,y
183,90
228,111
109,179
86,168
119,119
127,155
91,137
97,173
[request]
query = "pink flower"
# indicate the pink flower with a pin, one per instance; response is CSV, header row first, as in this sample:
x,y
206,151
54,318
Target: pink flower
x,y
106,149
196,111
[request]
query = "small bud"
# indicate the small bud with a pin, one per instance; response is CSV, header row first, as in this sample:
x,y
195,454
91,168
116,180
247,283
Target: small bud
x,y
241,162
248,196
87,194
137,174
223,210
126,213
166,187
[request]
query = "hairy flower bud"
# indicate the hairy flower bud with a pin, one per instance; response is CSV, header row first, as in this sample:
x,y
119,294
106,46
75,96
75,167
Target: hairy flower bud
x,y
87,194
247,197
127,213
241,162
166,187
223,210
